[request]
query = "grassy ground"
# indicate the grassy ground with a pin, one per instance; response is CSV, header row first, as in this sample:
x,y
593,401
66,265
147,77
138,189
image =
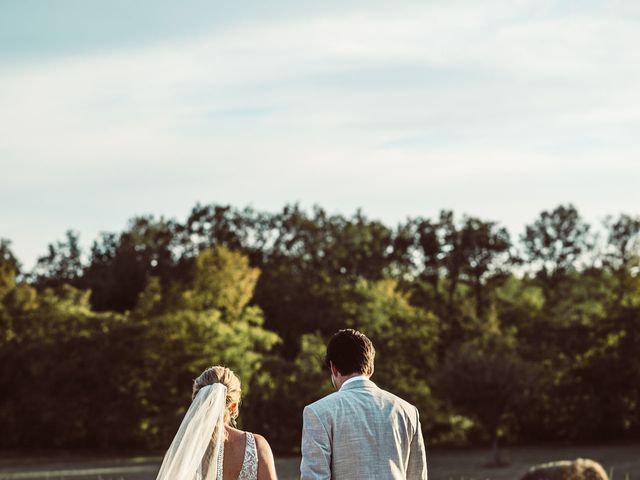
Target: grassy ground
x,y
622,462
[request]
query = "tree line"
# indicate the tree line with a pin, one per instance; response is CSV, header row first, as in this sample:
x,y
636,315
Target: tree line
x,y
494,338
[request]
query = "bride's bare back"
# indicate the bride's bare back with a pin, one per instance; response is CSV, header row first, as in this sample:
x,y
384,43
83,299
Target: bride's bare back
x,y
247,457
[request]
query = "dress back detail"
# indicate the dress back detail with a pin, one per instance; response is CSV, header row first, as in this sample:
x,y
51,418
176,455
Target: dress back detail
x,y
249,469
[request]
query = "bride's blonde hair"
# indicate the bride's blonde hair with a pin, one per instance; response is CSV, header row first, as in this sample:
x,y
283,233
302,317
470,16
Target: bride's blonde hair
x,y
226,377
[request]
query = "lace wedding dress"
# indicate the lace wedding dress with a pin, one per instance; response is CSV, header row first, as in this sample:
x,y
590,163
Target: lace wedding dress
x,y
197,450
249,469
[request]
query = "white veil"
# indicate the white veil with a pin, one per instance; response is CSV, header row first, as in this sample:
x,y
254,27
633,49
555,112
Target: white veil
x,y
196,450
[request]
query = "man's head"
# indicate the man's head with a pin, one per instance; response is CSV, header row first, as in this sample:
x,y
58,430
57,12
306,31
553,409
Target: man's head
x,y
349,353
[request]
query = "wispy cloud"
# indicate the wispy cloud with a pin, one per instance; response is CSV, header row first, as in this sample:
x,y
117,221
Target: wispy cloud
x,y
497,108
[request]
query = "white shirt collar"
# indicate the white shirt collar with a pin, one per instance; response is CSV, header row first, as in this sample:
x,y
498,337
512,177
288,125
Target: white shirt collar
x,y
357,377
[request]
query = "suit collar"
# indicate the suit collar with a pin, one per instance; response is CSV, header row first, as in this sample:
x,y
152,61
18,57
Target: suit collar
x,y
358,383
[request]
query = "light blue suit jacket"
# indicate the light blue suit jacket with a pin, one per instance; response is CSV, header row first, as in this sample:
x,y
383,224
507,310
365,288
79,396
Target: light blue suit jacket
x,y
362,432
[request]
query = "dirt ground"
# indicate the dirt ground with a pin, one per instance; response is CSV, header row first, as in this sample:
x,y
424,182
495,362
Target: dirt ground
x,y
621,462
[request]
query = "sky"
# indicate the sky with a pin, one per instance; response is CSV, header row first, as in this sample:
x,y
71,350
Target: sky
x,y
499,109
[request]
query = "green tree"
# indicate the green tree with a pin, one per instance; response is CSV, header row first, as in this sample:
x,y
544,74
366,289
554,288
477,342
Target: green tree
x,y
405,338
62,264
9,267
203,322
54,363
485,248
120,264
222,280
427,253
553,245
280,391
483,379
623,257
310,256
462,263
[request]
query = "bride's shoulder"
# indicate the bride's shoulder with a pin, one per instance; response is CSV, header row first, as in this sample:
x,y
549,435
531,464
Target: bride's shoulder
x,y
261,443
266,462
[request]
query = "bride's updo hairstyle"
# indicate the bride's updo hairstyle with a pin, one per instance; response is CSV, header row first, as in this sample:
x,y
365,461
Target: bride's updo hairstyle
x,y
226,377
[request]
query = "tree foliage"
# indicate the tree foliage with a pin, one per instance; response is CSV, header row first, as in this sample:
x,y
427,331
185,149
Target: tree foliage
x,y
489,336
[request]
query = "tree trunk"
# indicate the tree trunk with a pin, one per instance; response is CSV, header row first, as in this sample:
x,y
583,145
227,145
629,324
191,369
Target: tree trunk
x,y
477,286
495,449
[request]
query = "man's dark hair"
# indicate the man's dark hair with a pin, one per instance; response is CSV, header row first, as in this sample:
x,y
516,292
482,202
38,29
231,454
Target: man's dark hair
x,y
350,352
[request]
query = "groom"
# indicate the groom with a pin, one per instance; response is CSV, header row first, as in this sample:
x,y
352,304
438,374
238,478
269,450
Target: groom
x,y
360,431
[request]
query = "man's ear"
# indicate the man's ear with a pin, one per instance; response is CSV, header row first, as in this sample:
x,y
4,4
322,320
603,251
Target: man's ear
x,y
334,370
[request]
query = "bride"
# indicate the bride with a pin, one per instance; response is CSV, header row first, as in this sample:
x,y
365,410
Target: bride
x,y
206,446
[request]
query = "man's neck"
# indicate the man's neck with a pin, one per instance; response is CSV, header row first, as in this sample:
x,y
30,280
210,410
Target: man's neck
x,y
353,377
